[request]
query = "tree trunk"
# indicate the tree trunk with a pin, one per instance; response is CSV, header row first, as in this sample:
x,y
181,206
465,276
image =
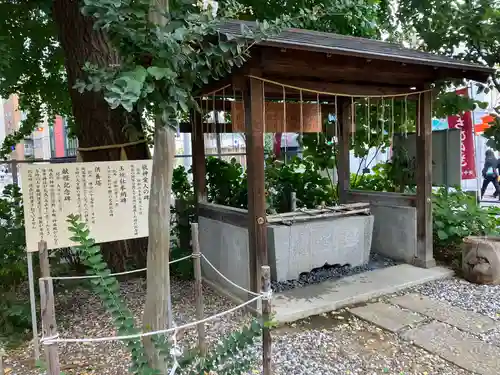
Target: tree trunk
x,y
96,123
158,308
157,311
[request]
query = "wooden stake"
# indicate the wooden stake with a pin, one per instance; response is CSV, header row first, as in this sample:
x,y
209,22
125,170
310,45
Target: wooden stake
x,y
266,317
47,307
2,353
198,291
293,201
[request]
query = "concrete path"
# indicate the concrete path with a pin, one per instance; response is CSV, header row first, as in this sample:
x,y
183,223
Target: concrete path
x,y
327,296
442,329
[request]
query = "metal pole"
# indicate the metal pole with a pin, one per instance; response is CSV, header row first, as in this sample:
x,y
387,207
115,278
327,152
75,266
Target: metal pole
x,y
34,324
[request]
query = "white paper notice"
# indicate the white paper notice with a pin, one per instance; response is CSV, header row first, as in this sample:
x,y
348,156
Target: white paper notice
x,y
112,198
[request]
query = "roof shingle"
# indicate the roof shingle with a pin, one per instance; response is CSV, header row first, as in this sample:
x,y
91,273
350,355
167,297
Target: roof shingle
x,y
353,46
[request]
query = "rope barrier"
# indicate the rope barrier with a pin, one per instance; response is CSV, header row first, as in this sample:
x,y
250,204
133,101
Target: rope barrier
x,y
335,94
225,278
56,340
111,274
109,147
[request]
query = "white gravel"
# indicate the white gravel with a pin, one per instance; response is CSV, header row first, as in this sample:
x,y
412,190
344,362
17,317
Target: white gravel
x,y
483,299
334,343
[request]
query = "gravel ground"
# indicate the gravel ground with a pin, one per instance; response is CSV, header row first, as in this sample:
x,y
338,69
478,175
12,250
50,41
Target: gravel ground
x,y
335,343
483,299
319,275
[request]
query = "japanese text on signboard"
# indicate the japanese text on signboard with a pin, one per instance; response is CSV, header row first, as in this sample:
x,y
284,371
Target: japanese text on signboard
x,y
112,198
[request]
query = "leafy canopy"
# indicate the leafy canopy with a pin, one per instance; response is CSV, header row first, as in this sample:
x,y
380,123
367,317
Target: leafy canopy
x,y
32,65
182,55
464,29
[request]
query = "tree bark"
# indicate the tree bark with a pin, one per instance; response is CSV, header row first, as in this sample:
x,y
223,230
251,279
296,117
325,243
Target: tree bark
x,y
96,123
157,312
158,308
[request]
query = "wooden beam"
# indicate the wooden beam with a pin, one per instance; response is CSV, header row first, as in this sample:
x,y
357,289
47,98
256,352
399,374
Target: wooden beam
x,y
424,257
321,66
344,142
331,87
257,230
198,150
208,128
381,198
225,214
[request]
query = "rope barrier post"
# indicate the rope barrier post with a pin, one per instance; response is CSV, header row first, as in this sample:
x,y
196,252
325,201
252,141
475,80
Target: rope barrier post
x,y
2,353
47,307
293,201
198,290
266,317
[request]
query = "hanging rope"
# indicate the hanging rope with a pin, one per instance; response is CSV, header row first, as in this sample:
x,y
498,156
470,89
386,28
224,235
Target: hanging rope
x,y
301,116
264,109
319,118
382,118
224,110
406,116
368,113
284,122
392,120
333,93
335,131
418,114
122,146
353,116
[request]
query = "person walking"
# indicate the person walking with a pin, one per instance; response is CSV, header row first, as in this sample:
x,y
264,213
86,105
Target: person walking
x,y
490,173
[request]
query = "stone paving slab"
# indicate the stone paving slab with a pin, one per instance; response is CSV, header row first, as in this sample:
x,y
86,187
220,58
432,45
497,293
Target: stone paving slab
x,y
331,295
468,321
387,316
457,347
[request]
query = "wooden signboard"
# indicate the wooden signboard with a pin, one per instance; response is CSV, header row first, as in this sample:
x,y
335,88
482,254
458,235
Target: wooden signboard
x,y
311,118
111,197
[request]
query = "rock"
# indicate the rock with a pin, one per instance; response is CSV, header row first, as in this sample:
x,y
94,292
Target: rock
x,y
481,260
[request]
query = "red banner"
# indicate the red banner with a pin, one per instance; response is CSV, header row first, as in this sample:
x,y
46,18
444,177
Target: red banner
x,y
464,123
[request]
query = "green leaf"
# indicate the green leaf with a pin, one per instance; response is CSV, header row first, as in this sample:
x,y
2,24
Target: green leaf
x,y
160,73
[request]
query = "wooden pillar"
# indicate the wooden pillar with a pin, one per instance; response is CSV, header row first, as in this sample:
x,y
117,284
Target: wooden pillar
x,y
198,149
424,256
48,311
253,98
344,173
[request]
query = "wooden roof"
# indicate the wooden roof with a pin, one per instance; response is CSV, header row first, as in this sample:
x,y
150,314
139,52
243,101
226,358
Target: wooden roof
x,y
336,44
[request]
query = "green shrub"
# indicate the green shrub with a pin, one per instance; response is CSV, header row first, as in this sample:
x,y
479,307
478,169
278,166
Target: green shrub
x,y
457,215
300,176
14,311
378,180
220,357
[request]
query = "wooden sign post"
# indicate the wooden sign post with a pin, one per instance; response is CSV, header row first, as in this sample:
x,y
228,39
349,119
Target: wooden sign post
x,y
47,307
266,316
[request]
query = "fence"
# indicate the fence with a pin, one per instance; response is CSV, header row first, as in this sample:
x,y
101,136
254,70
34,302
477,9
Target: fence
x,y
227,154
51,338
